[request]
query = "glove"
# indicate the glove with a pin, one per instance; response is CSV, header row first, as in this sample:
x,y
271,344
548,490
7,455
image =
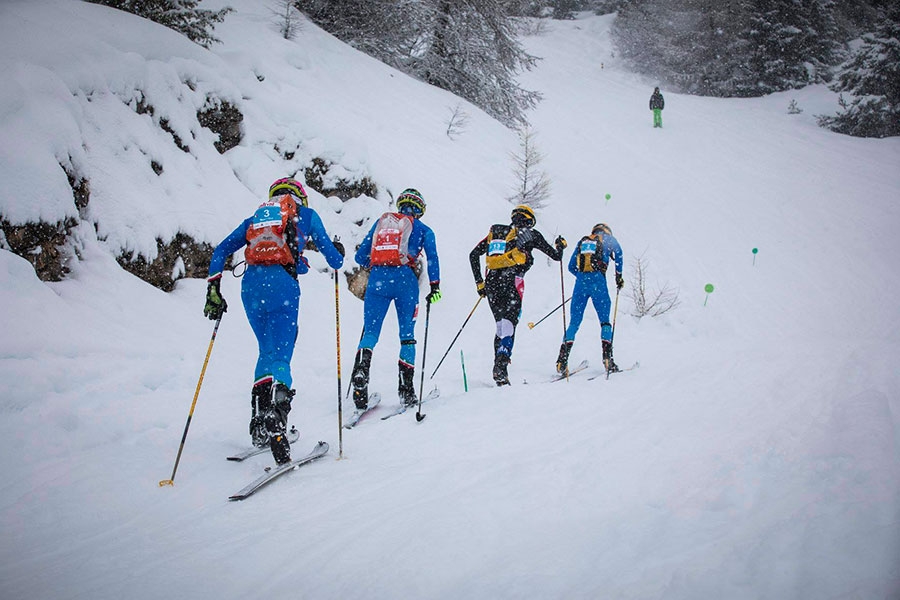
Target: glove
x,y
560,243
339,247
620,282
479,285
435,294
215,303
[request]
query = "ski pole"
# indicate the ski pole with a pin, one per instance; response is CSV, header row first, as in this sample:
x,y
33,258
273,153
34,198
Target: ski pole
x,y
612,332
171,480
471,312
337,333
562,289
419,415
533,325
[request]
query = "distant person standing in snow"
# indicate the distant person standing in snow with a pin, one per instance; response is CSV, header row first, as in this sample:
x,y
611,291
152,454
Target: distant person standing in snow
x,y
509,251
390,250
589,262
657,103
275,236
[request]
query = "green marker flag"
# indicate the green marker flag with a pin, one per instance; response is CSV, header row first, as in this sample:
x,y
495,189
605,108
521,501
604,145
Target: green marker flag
x,y
462,361
607,198
709,290
755,250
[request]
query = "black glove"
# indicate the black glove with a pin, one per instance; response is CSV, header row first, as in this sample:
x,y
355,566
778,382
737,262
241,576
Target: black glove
x,y
560,243
435,293
339,247
620,282
479,285
215,303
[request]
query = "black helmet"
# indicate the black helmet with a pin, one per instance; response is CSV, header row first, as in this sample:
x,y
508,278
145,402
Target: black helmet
x,y
412,198
601,227
523,216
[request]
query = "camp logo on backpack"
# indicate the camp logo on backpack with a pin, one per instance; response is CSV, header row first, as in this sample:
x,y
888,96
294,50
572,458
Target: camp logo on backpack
x,y
590,257
502,250
390,241
269,236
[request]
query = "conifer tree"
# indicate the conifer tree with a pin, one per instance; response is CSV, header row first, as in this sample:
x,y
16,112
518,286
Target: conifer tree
x,y
181,15
872,80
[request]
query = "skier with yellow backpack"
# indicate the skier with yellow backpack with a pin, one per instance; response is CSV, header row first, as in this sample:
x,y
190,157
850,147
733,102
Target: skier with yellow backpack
x,y
589,262
508,250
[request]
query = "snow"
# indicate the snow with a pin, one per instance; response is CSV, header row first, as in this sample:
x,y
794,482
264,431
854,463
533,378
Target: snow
x,y
753,454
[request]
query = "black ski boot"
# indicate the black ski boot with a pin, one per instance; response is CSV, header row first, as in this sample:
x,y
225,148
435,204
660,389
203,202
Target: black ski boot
x,y
260,402
562,361
276,422
406,388
608,362
501,362
360,378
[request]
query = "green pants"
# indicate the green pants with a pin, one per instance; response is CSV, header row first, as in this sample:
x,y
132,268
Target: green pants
x,y
657,117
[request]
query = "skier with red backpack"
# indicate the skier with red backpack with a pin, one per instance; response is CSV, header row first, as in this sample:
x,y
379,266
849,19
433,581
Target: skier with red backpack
x,y
390,250
275,236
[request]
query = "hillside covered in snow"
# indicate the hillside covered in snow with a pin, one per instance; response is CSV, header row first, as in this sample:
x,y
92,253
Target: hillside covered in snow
x,y
755,452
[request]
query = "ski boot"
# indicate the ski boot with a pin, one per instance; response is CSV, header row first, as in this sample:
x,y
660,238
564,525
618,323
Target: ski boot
x,y
260,402
611,366
360,378
276,422
501,362
406,388
562,361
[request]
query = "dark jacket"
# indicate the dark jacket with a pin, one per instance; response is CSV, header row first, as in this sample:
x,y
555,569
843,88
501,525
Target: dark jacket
x,y
526,240
656,101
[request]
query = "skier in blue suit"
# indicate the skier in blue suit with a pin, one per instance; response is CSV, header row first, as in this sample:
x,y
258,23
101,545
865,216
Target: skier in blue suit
x,y
275,237
390,250
589,262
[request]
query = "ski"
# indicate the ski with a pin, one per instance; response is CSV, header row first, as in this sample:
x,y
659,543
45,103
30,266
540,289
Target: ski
x,y
354,419
606,375
581,367
271,474
293,435
402,408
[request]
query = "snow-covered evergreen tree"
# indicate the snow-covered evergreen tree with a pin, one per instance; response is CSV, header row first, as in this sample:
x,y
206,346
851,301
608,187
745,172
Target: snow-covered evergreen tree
x,y
730,47
183,16
468,47
872,80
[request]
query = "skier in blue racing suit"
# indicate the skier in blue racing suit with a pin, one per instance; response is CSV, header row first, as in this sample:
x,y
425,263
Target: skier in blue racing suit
x,y
390,250
589,262
275,237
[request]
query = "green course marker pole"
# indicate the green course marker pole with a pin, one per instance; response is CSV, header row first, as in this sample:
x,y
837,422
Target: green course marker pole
x,y
608,196
709,290
755,250
462,361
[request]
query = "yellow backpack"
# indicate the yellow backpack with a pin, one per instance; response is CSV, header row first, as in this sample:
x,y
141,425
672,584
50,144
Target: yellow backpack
x,y
502,250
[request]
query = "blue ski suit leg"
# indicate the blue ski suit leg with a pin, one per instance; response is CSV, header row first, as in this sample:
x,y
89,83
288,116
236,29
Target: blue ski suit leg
x,y
400,286
588,286
271,299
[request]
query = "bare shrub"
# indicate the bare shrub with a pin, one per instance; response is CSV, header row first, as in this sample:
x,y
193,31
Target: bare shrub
x,y
456,123
646,302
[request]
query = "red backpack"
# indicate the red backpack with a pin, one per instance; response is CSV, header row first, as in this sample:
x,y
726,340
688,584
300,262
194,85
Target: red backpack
x,y
390,241
272,235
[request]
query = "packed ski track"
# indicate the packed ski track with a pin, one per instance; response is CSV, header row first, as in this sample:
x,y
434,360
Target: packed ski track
x,y
754,453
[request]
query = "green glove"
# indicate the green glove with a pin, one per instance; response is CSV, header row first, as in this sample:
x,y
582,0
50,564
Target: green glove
x,y
435,293
215,303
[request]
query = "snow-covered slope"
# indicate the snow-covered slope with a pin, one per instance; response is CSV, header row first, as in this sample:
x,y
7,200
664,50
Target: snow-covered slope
x,y
754,453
